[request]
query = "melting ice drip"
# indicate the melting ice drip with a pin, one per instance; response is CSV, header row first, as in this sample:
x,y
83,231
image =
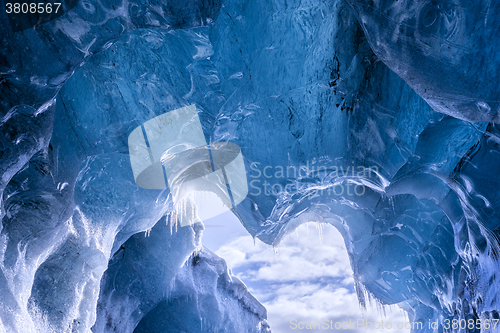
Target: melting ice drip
x,y
170,151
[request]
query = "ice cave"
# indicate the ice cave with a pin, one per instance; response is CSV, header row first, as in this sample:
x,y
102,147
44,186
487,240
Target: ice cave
x,y
125,124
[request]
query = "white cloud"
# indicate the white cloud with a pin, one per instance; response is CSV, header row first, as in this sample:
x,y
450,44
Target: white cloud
x,y
307,280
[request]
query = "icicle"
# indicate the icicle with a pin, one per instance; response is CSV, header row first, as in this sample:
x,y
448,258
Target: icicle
x,y
277,252
193,209
381,308
319,226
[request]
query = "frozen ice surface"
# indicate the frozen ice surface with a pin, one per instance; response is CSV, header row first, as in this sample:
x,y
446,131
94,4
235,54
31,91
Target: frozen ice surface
x,y
444,50
385,113
35,62
173,289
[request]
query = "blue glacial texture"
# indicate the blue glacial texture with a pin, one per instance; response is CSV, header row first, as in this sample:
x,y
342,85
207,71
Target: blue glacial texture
x,y
203,296
35,62
444,50
386,111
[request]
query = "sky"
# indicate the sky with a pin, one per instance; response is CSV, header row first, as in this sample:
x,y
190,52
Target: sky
x,y
307,279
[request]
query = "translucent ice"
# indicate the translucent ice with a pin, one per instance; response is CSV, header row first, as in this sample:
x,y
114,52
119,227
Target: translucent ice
x,y
444,50
371,117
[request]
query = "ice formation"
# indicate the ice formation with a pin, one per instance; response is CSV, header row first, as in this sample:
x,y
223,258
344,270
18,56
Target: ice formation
x,y
378,117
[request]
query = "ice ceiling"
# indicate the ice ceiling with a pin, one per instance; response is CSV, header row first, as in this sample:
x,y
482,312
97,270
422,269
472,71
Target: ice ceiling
x,y
404,89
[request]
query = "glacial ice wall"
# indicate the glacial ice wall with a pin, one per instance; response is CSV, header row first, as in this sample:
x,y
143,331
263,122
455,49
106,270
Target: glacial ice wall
x,y
379,109
445,50
170,293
